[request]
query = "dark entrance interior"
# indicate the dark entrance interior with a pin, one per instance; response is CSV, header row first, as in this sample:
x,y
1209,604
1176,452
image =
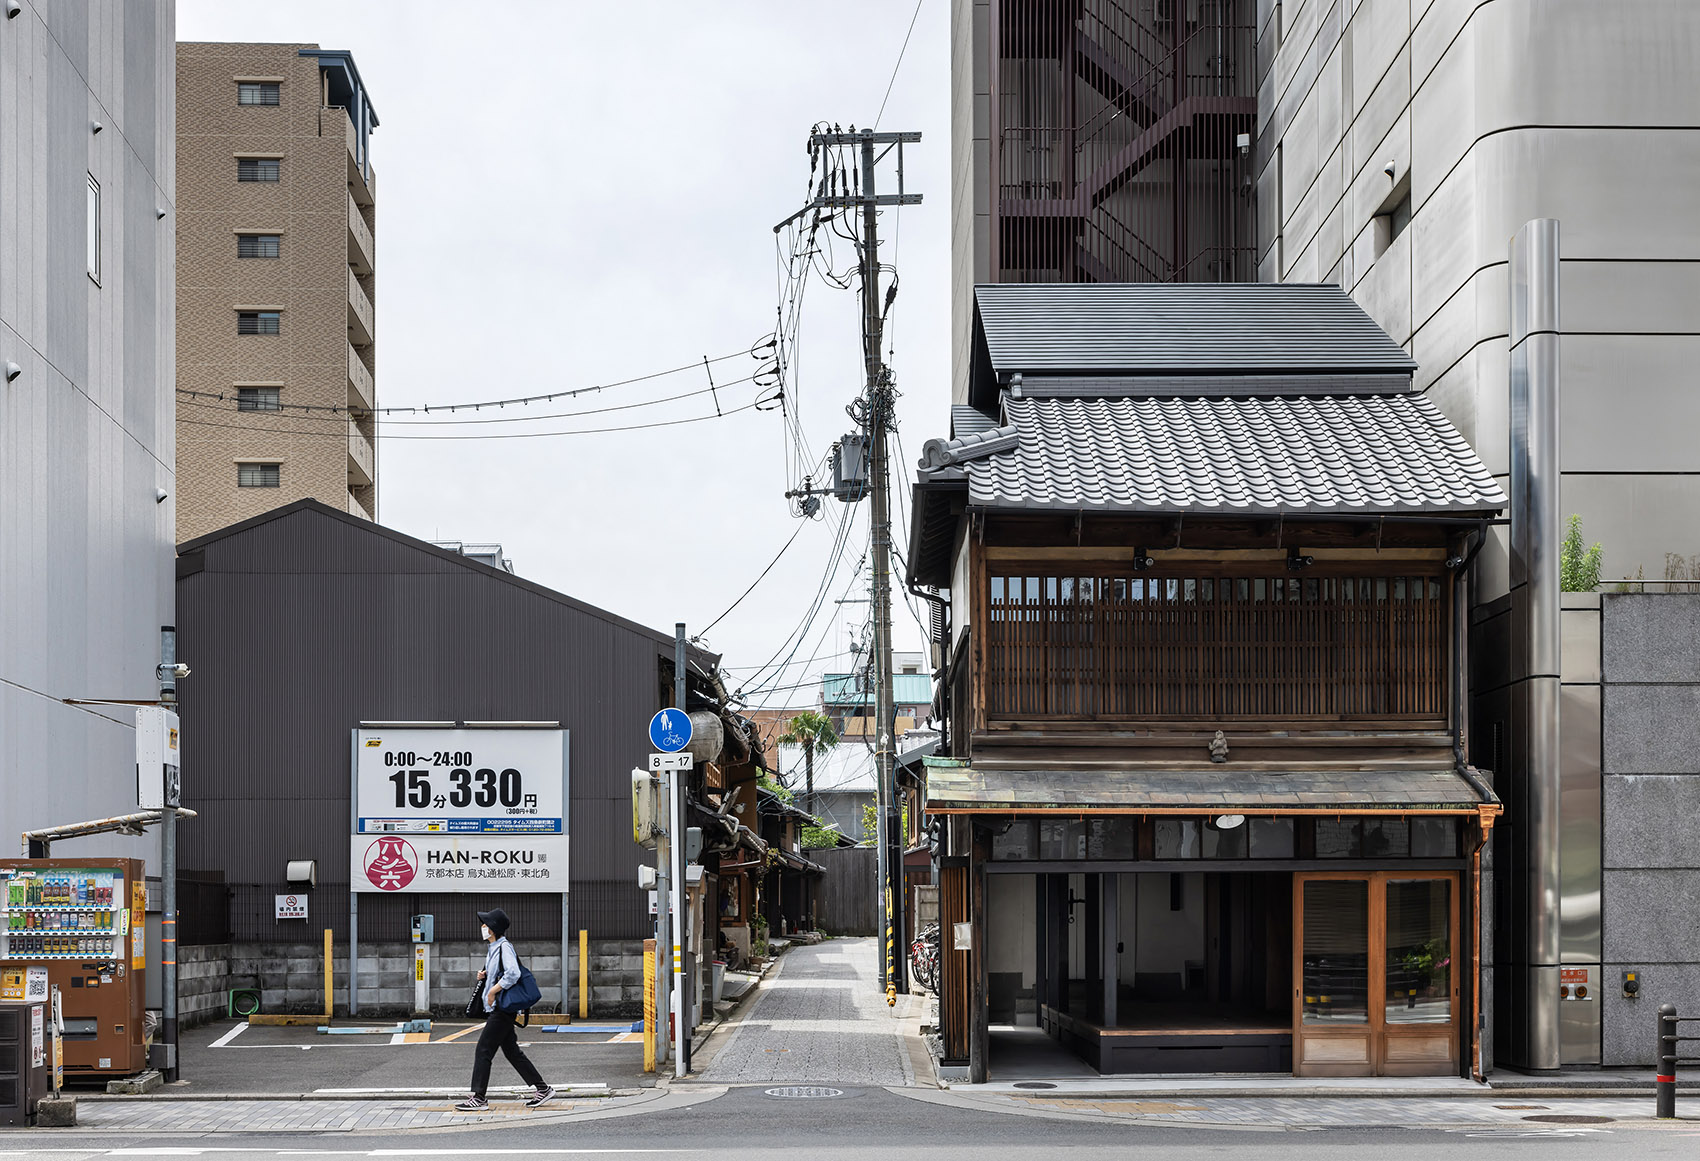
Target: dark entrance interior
x,y
1148,971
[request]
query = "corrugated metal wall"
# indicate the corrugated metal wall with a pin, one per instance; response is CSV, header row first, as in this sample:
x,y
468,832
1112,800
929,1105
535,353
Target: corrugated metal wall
x,y
302,625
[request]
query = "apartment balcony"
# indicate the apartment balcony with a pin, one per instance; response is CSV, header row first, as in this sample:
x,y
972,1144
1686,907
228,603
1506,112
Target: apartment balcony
x,y
362,180
362,457
359,313
360,246
362,393
356,508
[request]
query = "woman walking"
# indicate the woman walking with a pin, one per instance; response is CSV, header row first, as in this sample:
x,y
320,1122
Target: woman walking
x,y
501,972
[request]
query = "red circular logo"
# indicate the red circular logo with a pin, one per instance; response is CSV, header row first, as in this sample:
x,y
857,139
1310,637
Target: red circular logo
x,y
391,864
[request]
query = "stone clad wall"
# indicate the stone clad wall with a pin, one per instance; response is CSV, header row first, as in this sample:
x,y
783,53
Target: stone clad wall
x,y
1651,761
291,977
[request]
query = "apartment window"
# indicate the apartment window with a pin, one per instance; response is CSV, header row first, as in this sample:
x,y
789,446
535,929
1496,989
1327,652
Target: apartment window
x,y
258,168
93,240
258,399
258,475
261,93
258,245
257,322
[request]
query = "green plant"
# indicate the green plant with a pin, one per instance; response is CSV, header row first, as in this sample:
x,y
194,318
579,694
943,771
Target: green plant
x,y
817,838
871,821
758,935
1578,565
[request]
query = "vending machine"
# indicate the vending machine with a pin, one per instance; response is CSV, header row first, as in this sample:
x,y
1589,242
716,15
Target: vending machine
x,y
82,922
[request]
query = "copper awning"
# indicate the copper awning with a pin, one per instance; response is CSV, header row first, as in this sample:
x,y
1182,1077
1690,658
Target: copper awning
x,y
1220,789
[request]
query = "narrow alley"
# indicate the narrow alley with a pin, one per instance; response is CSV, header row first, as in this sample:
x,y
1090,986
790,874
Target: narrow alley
x,y
820,1019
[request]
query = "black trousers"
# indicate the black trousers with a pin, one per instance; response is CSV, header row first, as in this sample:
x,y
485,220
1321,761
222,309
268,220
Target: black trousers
x,y
499,1033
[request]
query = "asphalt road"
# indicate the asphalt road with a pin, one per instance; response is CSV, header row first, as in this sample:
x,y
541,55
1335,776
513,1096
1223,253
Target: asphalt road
x,y
875,1123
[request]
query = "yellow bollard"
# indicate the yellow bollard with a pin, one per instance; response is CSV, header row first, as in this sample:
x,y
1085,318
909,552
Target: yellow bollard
x,y
583,973
649,1005
327,975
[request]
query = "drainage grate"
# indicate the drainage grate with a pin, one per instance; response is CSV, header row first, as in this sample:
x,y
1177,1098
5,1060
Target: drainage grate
x,y
1516,1107
805,1092
1571,1119
1033,1084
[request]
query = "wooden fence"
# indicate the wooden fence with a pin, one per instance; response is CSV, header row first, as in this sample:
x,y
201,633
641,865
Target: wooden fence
x,y
847,899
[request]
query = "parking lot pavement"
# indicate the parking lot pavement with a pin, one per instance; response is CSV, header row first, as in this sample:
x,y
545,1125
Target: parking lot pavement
x,y
231,1058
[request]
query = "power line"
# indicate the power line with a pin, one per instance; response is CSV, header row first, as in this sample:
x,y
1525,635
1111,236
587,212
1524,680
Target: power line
x,y
899,63
757,581
480,404
491,435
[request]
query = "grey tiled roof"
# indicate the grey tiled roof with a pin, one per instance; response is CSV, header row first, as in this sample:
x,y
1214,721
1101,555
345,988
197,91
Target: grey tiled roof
x,y
1340,454
1187,328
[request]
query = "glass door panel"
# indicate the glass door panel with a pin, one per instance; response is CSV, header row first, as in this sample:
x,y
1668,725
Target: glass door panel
x,y
1419,951
1335,980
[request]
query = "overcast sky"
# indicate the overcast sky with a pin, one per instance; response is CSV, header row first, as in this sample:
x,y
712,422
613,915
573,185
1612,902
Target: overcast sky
x,y
573,193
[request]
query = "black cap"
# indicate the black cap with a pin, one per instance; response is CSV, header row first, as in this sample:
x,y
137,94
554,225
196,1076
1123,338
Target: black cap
x,y
496,921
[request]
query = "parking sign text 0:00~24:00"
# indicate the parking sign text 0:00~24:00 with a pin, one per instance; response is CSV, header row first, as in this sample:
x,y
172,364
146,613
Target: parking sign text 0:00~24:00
x,y
413,788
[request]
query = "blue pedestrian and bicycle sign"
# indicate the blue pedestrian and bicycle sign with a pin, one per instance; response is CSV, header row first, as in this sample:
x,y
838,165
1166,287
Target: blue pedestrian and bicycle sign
x,y
670,730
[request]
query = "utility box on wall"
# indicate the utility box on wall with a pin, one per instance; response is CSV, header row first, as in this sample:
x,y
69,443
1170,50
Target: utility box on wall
x,y
159,758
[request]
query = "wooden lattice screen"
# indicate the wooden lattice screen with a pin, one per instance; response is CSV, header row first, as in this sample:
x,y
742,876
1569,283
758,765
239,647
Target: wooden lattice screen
x,y
1216,647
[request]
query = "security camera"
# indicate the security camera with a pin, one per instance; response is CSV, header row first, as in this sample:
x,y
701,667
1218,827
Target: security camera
x,y
1391,168
12,370
13,8
177,671
159,495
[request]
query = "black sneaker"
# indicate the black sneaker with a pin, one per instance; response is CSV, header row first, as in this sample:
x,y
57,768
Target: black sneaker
x,y
541,1096
473,1104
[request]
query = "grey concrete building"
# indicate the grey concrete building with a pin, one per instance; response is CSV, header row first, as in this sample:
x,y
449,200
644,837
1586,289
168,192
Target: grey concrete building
x,y
1401,145
87,486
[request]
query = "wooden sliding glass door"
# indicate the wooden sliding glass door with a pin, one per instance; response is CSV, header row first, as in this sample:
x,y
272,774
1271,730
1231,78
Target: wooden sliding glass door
x,y
1376,990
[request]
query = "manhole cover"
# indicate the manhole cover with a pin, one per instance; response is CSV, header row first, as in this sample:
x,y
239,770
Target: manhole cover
x,y
805,1092
1034,1084
1571,1119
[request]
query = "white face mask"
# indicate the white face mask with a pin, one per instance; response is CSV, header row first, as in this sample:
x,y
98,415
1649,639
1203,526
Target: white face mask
x,y
485,932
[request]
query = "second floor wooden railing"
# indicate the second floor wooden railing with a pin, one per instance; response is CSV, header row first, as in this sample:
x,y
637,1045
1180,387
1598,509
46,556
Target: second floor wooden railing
x,y
1217,647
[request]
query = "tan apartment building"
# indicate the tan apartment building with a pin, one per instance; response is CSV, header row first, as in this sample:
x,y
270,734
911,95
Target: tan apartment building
x,y
275,283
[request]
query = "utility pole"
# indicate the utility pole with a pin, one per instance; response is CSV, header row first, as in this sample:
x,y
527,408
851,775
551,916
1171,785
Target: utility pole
x,y
676,850
877,417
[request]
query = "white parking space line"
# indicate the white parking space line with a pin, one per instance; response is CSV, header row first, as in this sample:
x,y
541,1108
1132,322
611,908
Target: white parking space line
x,y
229,1036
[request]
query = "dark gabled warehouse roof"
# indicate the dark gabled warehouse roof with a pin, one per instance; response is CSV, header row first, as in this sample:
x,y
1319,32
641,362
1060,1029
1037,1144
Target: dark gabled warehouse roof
x,y
286,559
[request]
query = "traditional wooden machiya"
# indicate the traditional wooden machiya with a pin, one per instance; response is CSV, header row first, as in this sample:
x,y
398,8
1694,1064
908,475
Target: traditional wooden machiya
x,y
1206,806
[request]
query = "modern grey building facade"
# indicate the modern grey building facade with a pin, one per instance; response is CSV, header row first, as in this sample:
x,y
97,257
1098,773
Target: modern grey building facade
x,y
87,488
1401,145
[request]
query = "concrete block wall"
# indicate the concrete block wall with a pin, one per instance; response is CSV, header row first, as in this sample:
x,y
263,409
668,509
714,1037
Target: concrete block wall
x,y
203,983
1650,749
290,977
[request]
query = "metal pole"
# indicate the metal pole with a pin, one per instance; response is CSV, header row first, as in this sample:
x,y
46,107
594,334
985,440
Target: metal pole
x,y
885,711
676,849
1665,1086
168,943
168,873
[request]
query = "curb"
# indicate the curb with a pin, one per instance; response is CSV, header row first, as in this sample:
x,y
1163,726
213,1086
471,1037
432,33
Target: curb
x,y
1064,1090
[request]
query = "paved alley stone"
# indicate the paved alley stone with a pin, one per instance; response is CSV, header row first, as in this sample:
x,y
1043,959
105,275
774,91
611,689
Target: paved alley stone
x,y
821,1020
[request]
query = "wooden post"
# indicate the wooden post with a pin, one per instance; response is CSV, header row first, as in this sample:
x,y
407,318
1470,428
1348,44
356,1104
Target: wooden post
x,y
584,973
327,974
979,1039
